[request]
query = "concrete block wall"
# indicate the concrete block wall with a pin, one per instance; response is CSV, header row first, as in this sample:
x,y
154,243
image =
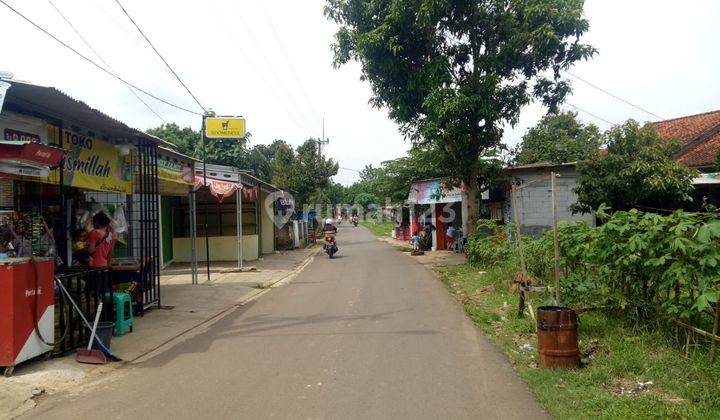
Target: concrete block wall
x,y
535,200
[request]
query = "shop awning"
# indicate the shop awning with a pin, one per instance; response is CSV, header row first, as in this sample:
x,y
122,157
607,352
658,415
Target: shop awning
x,y
218,188
175,172
433,191
29,159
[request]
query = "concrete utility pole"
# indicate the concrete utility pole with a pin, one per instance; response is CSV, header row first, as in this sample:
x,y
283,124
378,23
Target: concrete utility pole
x,y
322,141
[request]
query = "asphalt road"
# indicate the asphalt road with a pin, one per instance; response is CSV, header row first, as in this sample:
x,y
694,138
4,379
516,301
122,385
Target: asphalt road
x,y
370,334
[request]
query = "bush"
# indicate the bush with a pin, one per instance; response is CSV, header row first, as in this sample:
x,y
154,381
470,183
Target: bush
x,y
489,245
646,263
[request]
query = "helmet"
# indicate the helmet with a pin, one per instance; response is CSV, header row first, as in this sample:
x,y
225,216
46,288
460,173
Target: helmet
x,y
328,221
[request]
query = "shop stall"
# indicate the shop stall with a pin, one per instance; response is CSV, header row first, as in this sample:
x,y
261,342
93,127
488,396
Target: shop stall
x,y
435,205
62,164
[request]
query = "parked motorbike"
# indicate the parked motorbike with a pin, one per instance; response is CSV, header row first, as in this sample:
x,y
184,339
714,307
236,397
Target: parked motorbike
x,y
330,246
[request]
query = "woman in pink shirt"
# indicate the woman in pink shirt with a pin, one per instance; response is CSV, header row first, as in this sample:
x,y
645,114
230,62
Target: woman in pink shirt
x,y
100,241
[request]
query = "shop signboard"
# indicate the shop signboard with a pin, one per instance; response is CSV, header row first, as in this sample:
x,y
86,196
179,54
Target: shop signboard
x,y
433,191
22,129
94,164
175,172
225,128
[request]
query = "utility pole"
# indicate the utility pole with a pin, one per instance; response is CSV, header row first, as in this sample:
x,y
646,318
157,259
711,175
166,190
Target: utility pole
x,y
322,141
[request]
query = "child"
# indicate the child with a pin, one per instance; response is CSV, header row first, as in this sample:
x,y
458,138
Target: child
x,y
80,254
416,241
100,241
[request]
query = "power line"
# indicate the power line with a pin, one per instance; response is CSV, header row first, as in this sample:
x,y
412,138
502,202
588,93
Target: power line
x,y
615,96
262,77
97,54
272,68
160,55
591,114
103,69
132,38
287,59
349,169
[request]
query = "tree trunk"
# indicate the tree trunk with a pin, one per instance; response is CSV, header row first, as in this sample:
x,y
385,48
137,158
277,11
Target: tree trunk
x,y
473,193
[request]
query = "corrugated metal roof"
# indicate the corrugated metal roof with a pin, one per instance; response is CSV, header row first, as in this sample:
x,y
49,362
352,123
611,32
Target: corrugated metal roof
x,y
55,106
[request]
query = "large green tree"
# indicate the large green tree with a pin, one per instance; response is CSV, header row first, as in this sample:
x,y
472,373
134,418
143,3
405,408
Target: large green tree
x,y
636,170
185,139
559,138
453,72
305,172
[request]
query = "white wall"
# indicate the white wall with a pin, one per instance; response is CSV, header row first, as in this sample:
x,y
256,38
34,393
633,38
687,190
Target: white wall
x,y
222,248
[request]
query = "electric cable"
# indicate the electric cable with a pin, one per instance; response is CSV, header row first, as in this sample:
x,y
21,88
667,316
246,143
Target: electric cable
x,y
103,69
272,68
259,73
591,114
97,54
287,60
615,96
160,55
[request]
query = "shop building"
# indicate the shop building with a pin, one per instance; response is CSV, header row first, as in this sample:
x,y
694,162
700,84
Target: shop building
x,y
61,162
436,203
219,195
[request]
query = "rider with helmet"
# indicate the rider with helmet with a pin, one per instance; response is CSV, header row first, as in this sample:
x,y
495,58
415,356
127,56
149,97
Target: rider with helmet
x,y
329,231
329,226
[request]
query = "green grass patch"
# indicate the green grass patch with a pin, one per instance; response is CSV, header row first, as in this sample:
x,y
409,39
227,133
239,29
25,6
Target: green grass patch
x,y
379,227
619,354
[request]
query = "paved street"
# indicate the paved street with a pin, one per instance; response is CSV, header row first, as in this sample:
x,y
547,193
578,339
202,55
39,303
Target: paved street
x,y
370,334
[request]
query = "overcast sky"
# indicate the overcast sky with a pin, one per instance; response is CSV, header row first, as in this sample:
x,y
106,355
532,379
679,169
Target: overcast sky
x,y
659,55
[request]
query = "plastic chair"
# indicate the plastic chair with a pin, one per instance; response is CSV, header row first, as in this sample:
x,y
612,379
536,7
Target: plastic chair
x,y
123,313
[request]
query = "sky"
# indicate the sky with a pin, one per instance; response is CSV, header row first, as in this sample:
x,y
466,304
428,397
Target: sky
x,y
270,61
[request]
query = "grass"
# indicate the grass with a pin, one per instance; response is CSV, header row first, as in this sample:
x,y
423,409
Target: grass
x,y
379,227
619,355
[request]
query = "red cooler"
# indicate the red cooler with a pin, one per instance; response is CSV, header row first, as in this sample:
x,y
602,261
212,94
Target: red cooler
x,y
26,286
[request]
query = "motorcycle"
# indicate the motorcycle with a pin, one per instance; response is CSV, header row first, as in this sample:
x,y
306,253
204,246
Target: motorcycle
x,y
330,246
355,221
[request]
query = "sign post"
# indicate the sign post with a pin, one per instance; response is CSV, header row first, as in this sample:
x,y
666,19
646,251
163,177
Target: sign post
x,y
219,128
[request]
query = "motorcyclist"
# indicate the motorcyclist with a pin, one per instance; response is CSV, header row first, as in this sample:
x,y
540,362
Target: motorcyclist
x,y
329,227
330,230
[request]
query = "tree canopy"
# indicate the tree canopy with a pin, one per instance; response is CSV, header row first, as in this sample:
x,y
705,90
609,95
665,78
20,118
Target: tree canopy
x,y
637,170
302,170
453,73
558,138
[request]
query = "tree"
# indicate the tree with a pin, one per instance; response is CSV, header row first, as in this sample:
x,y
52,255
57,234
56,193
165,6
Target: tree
x,y
186,139
304,172
453,72
559,138
636,170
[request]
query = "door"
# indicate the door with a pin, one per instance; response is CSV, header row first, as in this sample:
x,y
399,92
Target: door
x,y
167,228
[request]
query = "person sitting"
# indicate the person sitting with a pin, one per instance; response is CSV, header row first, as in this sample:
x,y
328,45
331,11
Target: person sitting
x,y
449,237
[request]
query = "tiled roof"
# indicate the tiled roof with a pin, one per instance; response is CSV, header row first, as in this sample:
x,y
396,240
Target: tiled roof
x,y
699,137
687,128
702,154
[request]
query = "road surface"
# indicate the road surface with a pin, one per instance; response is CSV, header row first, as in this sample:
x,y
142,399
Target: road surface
x,y
370,334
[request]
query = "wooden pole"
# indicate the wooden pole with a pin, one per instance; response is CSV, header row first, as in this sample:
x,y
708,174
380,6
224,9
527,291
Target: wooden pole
x,y
556,242
518,239
713,346
521,251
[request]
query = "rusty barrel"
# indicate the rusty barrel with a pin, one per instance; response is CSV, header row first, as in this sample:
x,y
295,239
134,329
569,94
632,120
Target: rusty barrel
x,y
557,337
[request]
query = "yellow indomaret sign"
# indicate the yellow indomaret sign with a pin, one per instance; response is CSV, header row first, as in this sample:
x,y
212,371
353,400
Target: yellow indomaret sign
x,y
225,127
